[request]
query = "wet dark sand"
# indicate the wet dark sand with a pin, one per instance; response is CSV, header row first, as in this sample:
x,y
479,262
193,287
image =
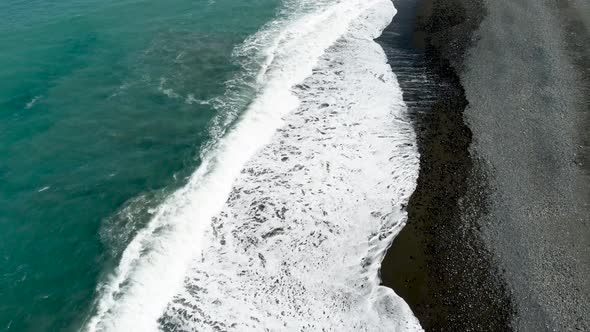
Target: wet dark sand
x,y
498,231
438,263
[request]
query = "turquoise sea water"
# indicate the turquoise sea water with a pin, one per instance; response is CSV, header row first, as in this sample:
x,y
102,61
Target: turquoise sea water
x,y
104,106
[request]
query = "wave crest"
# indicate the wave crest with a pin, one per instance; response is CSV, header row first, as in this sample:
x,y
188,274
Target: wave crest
x,y
203,260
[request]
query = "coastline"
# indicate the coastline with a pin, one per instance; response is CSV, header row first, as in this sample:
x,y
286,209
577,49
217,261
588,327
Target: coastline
x,y
438,262
498,228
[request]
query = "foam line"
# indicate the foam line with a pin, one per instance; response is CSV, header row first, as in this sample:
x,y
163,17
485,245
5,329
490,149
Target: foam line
x,y
156,265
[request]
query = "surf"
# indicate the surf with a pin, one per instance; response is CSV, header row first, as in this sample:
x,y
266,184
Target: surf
x,y
159,265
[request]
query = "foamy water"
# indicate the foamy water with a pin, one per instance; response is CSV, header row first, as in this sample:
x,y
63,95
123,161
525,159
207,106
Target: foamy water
x,y
285,223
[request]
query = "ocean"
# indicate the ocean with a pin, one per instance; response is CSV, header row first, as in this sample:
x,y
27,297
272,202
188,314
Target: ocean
x,y
200,166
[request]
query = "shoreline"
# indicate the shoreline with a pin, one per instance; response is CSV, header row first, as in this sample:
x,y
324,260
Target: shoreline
x,y
498,235
422,264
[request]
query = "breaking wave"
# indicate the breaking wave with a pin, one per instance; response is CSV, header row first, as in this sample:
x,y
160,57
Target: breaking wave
x,y
284,224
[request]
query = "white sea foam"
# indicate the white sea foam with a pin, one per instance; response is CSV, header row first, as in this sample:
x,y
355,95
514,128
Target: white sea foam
x,y
32,103
284,224
43,189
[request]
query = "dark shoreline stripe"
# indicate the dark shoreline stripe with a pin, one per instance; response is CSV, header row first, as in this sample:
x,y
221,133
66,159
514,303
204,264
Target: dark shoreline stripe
x,y
438,263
